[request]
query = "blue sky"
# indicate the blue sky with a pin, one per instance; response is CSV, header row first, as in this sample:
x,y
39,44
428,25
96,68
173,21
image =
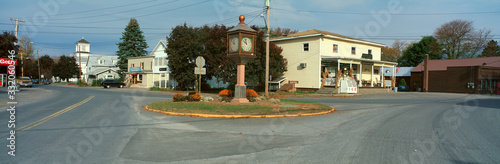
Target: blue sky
x,y
55,25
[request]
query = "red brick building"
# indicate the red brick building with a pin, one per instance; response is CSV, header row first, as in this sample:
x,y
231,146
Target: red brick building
x,y
473,75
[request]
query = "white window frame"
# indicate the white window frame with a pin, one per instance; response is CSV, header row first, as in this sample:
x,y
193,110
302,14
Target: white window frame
x,y
304,47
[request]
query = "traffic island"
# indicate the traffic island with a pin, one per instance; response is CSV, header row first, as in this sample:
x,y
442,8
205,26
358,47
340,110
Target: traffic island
x,y
272,108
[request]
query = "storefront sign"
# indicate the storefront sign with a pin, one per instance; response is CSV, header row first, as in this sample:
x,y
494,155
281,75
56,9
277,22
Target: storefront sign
x,y
135,69
7,61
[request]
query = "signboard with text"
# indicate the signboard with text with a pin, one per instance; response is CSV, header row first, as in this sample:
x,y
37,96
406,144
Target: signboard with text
x,y
7,61
135,69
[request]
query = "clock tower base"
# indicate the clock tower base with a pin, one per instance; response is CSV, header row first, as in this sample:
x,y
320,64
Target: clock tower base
x,y
240,90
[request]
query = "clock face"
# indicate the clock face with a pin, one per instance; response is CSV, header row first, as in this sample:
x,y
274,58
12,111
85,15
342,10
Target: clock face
x,y
246,44
234,44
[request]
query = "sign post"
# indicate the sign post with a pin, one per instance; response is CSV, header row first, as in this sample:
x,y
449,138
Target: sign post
x,y
200,62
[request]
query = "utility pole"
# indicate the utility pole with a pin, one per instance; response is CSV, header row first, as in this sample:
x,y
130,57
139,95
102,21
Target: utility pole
x,y
17,27
268,7
426,73
39,74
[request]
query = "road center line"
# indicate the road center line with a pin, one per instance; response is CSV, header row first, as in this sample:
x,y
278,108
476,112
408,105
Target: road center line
x,y
36,123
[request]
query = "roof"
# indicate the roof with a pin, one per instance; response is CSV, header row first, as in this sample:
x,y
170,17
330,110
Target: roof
x,y
101,70
83,41
315,32
442,65
241,26
400,71
161,43
108,60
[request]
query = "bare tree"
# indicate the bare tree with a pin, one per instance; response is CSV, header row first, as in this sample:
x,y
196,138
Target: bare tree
x,y
282,31
394,52
459,39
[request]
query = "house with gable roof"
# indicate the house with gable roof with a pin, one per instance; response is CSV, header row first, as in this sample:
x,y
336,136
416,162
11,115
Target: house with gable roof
x,y
310,53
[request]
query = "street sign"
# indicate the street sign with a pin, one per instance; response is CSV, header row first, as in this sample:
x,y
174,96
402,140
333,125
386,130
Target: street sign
x,y
198,71
200,61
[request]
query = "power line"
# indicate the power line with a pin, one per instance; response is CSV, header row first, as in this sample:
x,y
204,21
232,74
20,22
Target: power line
x,y
186,6
105,8
361,13
155,5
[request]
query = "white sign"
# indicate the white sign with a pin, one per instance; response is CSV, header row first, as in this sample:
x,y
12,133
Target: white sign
x,y
200,61
198,71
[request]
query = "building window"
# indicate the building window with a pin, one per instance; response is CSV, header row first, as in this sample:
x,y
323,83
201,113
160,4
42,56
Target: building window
x,y
140,77
335,48
156,62
369,51
306,46
100,62
142,65
353,50
110,76
133,64
151,65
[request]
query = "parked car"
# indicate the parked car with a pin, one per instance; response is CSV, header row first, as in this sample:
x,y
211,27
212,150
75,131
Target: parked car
x,y
112,83
47,82
35,81
25,82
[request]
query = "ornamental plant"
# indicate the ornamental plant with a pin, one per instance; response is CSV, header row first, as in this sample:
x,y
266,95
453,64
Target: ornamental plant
x,y
402,82
178,97
251,94
194,97
226,92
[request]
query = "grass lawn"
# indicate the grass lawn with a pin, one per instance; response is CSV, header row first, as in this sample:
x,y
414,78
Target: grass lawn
x,y
254,108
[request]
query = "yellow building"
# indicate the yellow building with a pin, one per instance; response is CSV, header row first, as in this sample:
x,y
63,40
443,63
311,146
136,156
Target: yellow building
x,y
310,52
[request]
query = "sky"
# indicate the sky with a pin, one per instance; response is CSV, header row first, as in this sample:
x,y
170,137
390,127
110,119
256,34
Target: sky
x,y
55,25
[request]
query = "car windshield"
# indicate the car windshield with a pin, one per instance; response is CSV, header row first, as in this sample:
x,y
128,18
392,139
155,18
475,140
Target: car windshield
x,y
24,78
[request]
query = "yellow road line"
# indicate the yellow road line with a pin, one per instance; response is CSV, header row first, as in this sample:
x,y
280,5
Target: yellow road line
x,y
36,123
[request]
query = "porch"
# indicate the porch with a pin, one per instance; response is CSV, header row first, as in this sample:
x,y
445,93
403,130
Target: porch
x,y
366,72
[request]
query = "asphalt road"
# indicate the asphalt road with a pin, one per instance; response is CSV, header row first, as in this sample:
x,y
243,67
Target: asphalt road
x,y
96,125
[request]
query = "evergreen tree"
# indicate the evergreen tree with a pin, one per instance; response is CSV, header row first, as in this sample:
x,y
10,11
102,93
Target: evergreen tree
x,y
415,53
491,49
133,44
66,67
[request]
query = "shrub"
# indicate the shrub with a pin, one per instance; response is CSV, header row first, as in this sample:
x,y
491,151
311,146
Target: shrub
x,y
178,97
81,83
402,82
226,99
194,97
97,83
226,92
251,94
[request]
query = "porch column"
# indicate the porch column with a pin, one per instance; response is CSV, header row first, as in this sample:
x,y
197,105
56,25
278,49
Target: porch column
x,y
360,74
393,76
383,76
154,80
371,82
165,80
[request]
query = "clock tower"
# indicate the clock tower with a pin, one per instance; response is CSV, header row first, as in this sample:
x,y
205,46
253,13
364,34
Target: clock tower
x,y
241,48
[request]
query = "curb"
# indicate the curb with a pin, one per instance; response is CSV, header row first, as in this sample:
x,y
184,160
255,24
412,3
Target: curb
x,y
235,116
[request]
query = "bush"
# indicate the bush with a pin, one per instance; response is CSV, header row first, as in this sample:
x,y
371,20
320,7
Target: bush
x,y
178,97
194,97
402,82
97,83
226,92
251,94
80,83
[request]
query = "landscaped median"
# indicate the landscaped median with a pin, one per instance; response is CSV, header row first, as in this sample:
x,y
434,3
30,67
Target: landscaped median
x,y
267,108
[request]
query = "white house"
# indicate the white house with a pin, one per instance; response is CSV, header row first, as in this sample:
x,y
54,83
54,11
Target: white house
x,y
101,67
309,53
94,66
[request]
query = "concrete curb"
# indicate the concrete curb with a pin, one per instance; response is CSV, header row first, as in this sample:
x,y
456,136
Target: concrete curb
x,y
235,116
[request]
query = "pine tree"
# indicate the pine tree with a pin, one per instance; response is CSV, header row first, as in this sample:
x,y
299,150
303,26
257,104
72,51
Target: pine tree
x,y
491,49
133,45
